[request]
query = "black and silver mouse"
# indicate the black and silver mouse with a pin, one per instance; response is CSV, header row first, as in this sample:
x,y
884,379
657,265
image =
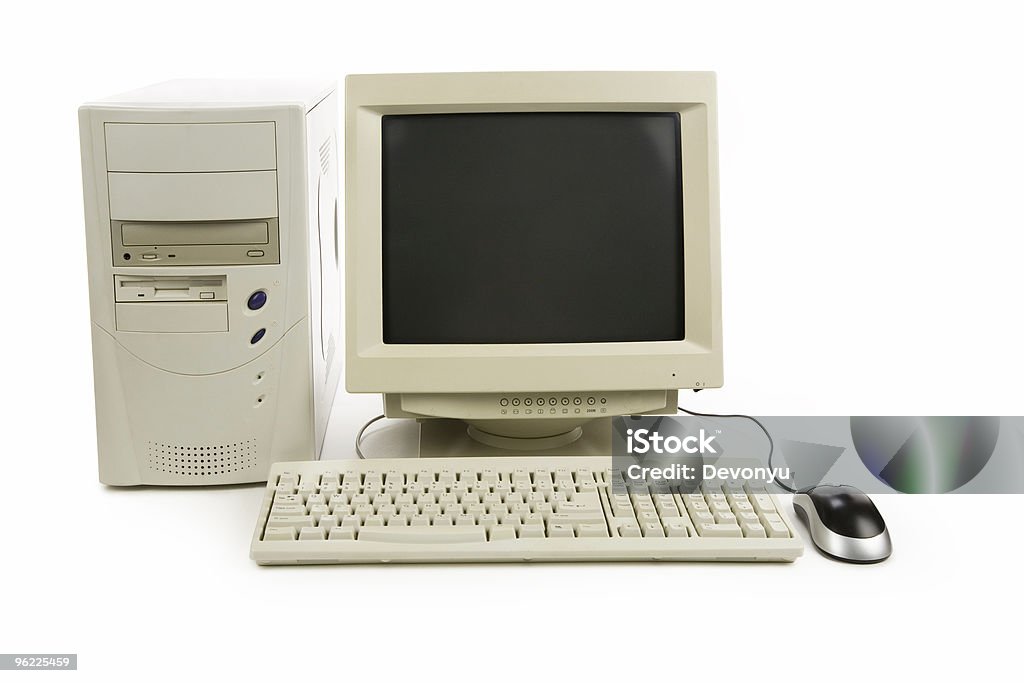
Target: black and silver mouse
x,y
844,523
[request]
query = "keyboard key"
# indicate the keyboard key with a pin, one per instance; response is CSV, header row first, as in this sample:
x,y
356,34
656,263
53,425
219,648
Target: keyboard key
x,y
423,534
774,526
719,530
621,505
342,534
725,518
741,506
666,505
288,479
531,531
584,475
592,530
676,528
584,517
652,529
571,507
292,521
629,530
563,479
763,504
560,531
289,499
288,510
543,509
311,534
279,533
647,517
702,518
753,530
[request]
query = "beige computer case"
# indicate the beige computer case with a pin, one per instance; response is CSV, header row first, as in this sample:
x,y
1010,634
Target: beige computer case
x,y
199,194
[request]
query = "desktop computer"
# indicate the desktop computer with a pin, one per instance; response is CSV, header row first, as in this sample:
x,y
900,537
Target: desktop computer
x,y
527,255
211,226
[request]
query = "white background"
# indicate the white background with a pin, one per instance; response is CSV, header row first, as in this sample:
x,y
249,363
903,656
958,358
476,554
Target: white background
x,y
871,178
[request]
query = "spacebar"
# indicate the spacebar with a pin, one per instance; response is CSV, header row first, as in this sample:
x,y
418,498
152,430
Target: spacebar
x,y
423,534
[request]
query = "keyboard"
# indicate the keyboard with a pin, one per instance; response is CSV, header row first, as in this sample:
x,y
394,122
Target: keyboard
x,y
506,510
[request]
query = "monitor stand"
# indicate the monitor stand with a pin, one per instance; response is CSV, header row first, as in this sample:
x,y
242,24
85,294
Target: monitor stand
x,y
453,438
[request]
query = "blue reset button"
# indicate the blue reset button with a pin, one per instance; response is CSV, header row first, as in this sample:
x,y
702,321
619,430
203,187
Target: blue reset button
x,y
259,335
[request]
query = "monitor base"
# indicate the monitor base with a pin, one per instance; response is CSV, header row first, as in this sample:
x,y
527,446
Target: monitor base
x,y
519,443
454,438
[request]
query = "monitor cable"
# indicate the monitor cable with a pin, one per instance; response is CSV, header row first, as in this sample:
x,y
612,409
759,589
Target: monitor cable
x,y
771,441
359,436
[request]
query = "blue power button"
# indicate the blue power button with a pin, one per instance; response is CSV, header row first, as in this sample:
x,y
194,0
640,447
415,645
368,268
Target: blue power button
x,y
259,335
256,300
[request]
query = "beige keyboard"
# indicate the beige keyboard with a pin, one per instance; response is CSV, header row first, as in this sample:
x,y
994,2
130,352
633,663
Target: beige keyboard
x,y
505,510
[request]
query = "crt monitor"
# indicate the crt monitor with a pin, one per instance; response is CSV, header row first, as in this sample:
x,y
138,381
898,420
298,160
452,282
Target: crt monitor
x,y
529,253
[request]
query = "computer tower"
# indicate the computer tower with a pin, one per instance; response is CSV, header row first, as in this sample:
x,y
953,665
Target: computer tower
x,y
211,212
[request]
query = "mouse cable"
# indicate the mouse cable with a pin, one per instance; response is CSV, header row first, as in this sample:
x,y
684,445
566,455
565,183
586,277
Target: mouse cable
x,y
771,441
359,436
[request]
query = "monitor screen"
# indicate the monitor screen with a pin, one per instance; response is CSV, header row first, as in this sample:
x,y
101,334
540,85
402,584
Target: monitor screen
x,y
520,228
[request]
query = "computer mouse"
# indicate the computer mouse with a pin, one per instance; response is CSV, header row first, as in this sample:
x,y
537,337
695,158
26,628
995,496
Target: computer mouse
x,y
844,523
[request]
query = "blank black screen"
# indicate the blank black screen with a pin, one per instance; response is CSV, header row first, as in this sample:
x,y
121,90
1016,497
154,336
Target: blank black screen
x,y
532,228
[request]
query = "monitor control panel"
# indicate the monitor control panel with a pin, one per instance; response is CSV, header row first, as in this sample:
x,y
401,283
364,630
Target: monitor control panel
x,y
545,405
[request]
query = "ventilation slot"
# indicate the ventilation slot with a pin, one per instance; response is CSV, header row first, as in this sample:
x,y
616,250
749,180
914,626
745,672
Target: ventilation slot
x,y
201,461
325,155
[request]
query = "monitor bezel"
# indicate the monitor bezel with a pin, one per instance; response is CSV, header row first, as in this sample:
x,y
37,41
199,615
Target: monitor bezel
x,y
373,366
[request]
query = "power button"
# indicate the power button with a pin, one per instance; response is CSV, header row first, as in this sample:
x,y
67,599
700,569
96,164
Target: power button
x,y
256,300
